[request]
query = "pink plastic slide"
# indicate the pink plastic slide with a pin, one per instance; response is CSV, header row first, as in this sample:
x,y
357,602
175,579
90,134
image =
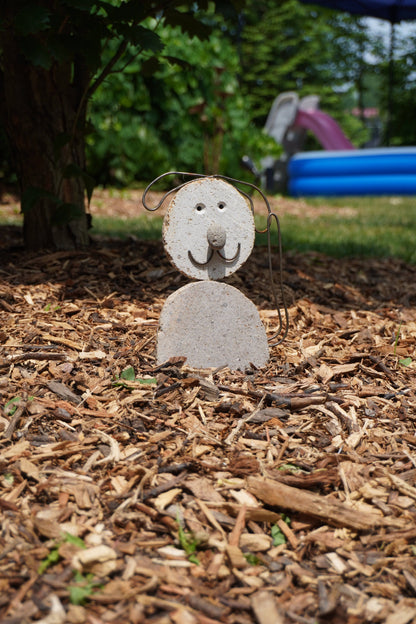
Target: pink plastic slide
x,y
289,119
324,127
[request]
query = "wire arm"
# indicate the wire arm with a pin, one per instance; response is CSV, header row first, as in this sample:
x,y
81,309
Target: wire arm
x,y
285,329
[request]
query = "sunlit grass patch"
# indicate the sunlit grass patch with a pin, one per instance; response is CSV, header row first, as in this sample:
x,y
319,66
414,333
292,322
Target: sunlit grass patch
x,y
11,216
338,227
365,226
143,227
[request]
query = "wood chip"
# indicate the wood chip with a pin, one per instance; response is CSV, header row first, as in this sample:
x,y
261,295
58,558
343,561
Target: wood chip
x,y
294,499
265,608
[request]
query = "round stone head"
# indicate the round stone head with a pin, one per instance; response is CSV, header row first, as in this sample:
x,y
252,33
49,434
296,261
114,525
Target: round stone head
x,y
208,230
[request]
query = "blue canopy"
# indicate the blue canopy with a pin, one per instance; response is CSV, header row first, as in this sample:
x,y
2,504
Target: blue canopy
x,y
392,10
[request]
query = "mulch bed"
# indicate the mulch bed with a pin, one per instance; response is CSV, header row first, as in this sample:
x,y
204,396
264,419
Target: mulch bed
x,y
138,493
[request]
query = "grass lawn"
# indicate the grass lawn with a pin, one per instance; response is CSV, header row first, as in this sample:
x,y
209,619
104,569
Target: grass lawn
x,y
143,226
338,227
364,226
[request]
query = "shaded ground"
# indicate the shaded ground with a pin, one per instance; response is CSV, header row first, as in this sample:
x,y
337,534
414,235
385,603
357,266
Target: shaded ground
x,y
136,493
127,203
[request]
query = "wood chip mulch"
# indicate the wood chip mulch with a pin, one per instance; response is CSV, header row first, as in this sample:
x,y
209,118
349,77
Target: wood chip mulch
x,y
138,493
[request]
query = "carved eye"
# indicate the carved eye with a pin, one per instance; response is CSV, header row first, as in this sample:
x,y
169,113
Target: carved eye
x,y
200,207
221,205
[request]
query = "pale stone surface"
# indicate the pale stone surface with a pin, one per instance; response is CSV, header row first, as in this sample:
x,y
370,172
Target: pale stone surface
x,y
212,324
208,222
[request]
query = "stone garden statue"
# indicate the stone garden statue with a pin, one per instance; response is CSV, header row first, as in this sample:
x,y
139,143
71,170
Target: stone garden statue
x,y
208,233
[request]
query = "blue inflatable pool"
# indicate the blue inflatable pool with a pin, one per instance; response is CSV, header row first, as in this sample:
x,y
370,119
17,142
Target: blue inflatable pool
x,y
386,171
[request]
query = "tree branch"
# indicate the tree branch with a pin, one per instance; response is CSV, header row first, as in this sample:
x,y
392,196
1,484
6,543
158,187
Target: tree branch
x,y
106,70
94,85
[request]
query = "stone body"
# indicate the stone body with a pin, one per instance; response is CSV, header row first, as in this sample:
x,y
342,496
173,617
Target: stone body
x,y
208,233
212,324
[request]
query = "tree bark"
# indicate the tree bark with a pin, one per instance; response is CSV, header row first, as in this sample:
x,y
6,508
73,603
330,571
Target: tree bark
x,y
44,114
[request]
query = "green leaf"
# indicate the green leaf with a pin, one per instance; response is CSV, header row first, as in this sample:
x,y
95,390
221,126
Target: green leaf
x,y
397,338
81,5
405,361
36,53
174,60
8,477
252,559
277,535
188,23
290,468
11,406
74,539
74,171
32,195
53,557
60,141
140,36
79,593
188,543
134,10
128,374
32,19
150,67
65,213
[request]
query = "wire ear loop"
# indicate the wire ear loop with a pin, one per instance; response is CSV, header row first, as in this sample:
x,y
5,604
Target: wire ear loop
x,y
271,215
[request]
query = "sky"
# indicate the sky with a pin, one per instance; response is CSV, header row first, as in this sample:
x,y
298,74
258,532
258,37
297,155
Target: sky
x,y
403,29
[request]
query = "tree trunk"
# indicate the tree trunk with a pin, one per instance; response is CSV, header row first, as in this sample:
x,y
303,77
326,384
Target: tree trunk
x,y
44,115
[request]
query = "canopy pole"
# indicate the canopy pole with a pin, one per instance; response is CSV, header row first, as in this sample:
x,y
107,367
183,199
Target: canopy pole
x,y
391,78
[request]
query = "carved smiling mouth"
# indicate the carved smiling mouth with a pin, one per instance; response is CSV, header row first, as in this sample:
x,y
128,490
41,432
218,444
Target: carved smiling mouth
x,y
212,253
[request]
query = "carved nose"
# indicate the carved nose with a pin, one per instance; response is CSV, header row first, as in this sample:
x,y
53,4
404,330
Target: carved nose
x,y
216,236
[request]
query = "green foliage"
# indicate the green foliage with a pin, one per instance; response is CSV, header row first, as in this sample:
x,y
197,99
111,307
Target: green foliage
x,y
174,114
288,46
189,543
129,375
396,340
9,478
11,406
277,534
48,308
290,468
284,48
74,171
59,32
204,115
84,588
69,48
54,556
403,91
184,85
